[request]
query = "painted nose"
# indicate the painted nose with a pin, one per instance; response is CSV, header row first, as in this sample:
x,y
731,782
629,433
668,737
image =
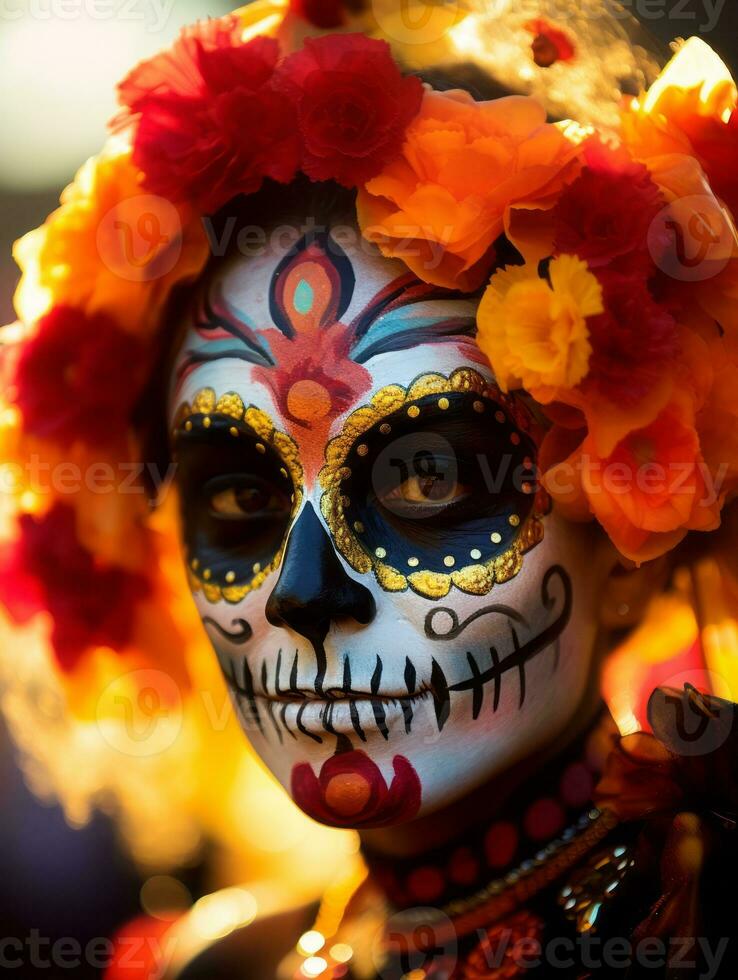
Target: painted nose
x,y
313,589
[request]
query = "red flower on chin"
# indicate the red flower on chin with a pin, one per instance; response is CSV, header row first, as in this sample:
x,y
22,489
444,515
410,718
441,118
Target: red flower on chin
x,y
351,791
353,106
210,124
46,568
78,378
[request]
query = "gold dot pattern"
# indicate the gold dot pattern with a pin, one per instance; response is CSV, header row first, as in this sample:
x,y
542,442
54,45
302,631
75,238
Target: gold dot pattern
x,y
477,578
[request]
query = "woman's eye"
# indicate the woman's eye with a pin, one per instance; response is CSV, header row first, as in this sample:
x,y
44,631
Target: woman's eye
x,y
239,502
423,489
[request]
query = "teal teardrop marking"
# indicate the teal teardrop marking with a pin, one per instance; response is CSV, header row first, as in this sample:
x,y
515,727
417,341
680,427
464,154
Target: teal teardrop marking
x,y
304,297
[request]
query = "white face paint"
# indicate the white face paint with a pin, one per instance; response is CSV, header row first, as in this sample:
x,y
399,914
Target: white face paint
x,y
371,694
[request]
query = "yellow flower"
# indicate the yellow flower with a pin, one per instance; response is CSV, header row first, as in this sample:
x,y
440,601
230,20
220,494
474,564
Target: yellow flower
x,y
110,248
535,334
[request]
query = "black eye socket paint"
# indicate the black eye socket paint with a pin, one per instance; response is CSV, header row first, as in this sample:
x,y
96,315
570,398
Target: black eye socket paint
x,y
444,482
237,498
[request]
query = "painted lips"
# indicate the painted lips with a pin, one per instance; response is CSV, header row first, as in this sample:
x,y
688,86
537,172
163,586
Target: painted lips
x,y
350,791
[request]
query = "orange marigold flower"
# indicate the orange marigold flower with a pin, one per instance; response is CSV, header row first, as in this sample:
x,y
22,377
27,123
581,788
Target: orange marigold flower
x,y
465,168
110,248
691,109
535,332
648,492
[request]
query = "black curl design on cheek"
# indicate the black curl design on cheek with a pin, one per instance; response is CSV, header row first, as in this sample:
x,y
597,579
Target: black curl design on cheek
x,y
457,627
240,636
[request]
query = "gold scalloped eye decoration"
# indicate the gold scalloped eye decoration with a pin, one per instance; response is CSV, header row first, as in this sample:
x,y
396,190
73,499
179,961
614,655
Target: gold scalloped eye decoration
x,y
475,579
205,405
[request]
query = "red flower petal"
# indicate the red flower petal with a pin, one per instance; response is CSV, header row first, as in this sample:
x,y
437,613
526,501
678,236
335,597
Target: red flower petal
x,y
47,568
633,342
353,106
604,217
325,14
78,378
209,124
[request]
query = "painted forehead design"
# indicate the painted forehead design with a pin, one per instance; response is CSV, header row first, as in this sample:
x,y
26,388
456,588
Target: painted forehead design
x,y
311,342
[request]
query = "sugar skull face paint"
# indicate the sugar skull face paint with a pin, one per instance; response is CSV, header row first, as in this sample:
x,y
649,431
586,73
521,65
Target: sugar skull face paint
x,y
398,614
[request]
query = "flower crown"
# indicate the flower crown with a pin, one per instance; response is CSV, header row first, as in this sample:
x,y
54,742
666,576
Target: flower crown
x,y
618,316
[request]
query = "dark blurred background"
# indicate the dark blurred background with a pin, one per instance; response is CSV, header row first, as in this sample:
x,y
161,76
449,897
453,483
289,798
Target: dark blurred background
x,y
57,76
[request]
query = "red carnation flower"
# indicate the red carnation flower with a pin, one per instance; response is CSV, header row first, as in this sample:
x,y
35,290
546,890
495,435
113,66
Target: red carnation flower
x,y
351,791
632,341
210,123
47,568
325,14
353,106
78,379
605,215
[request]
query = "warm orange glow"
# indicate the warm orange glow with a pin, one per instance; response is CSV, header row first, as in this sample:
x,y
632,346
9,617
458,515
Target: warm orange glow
x,y
695,66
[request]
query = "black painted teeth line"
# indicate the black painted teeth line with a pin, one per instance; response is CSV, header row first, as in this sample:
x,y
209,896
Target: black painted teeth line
x,y
356,722
326,717
376,676
301,727
522,654
441,698
521,665
440,689
271,708
410,675
283,719
407,703
282,693
322,666
380,715
244,691
478,689
278,671
497,678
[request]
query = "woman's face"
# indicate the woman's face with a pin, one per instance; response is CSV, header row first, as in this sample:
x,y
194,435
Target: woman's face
x,y
397,613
